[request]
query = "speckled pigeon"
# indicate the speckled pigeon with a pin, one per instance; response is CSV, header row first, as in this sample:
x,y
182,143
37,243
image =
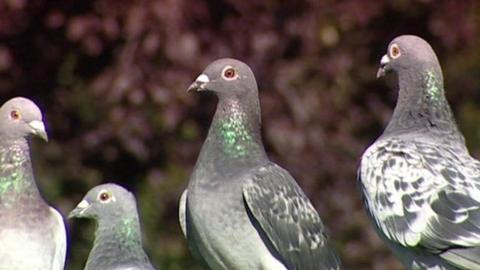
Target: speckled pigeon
x,y
243,211
420,185
32,234
118,238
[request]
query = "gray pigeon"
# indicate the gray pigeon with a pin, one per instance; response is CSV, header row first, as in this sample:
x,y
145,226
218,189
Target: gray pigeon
x,y
243,211
118,239
420,185
32,234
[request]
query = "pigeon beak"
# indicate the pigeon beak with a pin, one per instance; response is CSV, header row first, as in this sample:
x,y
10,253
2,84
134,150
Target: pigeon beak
x,y
383,63
199,84
79,210
38,128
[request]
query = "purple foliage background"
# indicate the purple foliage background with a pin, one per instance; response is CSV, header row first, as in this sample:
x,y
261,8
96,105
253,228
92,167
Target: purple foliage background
x,y
111,78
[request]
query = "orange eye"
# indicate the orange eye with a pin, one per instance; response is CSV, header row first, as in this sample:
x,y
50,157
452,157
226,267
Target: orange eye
x,y
104,196
15,114
395,51
229,73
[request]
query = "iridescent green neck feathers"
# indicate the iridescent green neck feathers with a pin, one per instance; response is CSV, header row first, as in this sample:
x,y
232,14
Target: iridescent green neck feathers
x,y
422,106
237,130
129,229
16,178
124,231
434,86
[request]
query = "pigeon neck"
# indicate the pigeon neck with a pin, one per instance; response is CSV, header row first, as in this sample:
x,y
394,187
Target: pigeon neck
x,y
121,237
234,136
16,176
422,105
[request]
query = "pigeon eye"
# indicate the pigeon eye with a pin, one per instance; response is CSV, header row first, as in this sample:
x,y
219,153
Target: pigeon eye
x,y
229,73
15,115
395,51
104,196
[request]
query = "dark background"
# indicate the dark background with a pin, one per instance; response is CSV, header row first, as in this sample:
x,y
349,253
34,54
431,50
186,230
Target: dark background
x,y
111,77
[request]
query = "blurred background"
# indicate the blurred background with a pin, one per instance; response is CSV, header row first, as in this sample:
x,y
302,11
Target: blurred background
x,y
111,77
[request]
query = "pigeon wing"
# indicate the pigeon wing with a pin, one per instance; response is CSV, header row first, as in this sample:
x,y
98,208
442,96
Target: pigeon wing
x,y
183,219
283,213
423,195
60,239
182,205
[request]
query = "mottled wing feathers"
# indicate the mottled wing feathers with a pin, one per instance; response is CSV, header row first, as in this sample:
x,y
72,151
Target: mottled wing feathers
x,y
288,219
130,268
422,194
465,258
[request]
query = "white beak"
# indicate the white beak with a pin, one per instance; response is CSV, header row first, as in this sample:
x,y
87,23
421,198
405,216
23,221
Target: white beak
x,y
385,60
38,128
199,83
78,211
202,78
83,204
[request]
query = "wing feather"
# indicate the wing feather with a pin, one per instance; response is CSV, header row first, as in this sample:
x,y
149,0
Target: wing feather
x,y
288,219
60,239
183,219
423,195
182,205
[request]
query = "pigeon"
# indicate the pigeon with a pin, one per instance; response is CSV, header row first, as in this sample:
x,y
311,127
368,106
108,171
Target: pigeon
x,y
32,234
420,186
240,210
118,238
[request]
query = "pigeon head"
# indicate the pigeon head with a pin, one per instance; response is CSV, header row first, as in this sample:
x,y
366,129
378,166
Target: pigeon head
x,y
405,53
226,78
20,118
107,200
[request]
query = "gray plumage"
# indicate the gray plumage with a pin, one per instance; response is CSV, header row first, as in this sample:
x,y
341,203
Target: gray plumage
x,y
32,234
118,238
242,211
420,185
